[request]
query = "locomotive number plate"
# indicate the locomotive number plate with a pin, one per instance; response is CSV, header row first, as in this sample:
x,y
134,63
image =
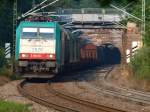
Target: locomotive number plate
x,y
37,49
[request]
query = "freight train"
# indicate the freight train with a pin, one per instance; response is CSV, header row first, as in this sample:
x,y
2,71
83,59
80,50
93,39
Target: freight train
x,y
46,48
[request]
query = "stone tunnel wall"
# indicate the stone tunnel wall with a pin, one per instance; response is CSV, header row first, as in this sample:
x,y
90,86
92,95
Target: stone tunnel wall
x,y
127,41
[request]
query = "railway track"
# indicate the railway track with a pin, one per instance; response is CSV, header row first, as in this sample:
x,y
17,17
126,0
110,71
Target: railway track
x,y
138,96
74,103
128,95
135,95
107,88
46,95
41,100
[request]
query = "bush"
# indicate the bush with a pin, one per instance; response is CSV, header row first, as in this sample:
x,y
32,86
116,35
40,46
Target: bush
x,y
13,107
5,72
2,57
141,64
3,64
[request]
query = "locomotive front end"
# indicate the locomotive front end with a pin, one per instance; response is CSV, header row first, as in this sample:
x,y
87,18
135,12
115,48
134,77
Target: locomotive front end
x,y
36,48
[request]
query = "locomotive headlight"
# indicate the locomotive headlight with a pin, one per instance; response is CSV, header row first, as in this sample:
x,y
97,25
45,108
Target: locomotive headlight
x,y
24,55
51,56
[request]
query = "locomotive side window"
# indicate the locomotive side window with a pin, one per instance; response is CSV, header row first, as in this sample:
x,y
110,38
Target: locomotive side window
x,y
46,33
29,33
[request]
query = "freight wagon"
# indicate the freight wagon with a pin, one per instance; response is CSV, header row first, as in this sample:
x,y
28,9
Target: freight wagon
x,y
88,53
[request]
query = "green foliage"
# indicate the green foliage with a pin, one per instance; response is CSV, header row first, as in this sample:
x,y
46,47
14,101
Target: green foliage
x,y
76,4
2,57
5,72
12,107
138,12
6,13
147,37
104,2
3,68
141,63
120,3
89,4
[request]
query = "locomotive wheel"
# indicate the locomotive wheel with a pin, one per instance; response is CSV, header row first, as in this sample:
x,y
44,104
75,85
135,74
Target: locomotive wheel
x,y
56,71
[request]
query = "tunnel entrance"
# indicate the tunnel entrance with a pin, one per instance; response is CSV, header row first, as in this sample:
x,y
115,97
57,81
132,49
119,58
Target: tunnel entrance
x,y
108,54
110,42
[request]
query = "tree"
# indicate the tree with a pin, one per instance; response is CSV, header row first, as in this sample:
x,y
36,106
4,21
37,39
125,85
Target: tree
x,y
2,57
141,61
6,13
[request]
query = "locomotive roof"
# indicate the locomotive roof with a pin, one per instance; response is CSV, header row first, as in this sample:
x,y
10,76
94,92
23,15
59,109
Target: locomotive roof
x,y
37,24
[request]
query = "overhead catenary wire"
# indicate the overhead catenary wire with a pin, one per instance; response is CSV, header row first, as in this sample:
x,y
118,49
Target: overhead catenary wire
x,y
128,5
126,12
119,24
41,8
34,8
43,13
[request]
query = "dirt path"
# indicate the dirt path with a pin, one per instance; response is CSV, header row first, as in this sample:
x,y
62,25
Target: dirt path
x,y
4,80
9,92
121,78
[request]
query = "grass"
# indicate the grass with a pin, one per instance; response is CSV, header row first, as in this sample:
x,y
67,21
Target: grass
x,y
5,72
140,64
13,107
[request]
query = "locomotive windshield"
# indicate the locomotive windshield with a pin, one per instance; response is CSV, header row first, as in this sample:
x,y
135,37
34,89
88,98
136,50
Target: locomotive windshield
x,y
42,33
46,33
29,33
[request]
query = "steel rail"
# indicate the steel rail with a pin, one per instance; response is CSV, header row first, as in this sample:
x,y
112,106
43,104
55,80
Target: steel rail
x,y
132,94
84,102
66,96
129,94
42,101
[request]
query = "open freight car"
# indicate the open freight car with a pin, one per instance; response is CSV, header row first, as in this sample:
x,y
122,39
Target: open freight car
x,y
88,53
